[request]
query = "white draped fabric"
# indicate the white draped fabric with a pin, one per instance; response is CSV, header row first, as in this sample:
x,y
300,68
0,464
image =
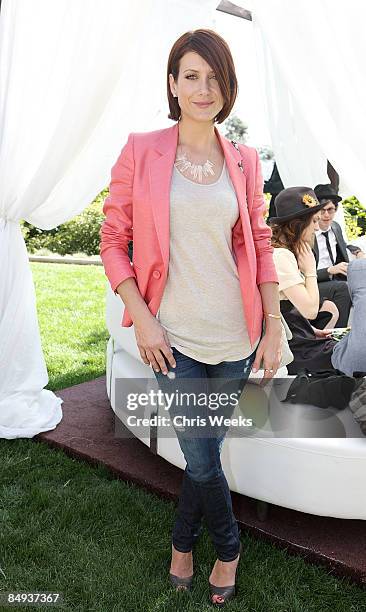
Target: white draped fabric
x,y
75,78
313,58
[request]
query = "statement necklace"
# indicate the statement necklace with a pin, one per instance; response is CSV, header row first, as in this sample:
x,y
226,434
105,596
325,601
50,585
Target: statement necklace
x,y
198,171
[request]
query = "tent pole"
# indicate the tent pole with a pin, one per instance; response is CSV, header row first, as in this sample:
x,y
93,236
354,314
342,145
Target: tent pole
x,y
232,9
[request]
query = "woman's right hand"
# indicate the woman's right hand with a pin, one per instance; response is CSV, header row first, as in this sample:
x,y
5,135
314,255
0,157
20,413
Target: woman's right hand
x,y
152,341
305,259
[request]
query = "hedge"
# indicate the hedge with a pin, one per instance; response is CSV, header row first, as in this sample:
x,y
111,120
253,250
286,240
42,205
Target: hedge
x,y
81,234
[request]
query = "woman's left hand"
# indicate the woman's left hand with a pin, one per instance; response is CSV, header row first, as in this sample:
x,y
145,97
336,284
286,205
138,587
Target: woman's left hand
x,y
269,349
322,333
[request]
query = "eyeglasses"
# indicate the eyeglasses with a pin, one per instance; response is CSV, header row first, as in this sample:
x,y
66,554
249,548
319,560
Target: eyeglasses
x,y
330,210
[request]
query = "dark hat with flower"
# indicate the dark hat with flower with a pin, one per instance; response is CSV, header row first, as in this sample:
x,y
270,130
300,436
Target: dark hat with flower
x,y
295,202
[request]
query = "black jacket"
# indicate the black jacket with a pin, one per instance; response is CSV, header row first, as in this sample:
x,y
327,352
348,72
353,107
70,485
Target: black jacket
x,y
341,254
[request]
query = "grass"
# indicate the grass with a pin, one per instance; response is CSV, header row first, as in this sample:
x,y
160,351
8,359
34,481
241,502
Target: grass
x,y
71,314
104,544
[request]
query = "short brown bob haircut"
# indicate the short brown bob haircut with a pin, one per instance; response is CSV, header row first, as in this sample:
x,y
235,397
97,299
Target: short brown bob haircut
x,y
215,51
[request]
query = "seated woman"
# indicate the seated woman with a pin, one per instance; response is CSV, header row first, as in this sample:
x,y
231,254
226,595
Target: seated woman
x,y
349,355
293,231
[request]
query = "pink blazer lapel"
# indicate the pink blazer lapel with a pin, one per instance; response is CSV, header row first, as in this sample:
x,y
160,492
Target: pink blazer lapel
x,y
160,174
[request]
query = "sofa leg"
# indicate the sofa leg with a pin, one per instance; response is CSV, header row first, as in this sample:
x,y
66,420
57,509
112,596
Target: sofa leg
x,y
262,510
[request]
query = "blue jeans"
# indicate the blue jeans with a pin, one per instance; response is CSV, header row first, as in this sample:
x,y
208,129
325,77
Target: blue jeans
x,y
205,491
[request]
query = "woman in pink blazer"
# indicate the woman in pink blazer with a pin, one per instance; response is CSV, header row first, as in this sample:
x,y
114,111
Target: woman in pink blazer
x,y
202,278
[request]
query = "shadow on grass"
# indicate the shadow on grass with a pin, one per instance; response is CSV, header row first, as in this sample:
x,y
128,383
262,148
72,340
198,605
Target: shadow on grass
x,y
74,377
94,338
89,365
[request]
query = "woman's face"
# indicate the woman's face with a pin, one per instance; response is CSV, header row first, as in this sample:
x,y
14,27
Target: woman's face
x,y
308,233
197,83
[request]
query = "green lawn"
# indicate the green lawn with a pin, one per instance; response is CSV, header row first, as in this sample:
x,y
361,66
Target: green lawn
x,y
71,313
71,528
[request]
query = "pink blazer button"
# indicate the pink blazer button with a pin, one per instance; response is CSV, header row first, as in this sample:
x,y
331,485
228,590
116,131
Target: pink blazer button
x,y
156,274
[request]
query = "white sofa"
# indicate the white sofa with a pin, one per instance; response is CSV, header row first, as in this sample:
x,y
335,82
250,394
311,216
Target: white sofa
x,y
321,476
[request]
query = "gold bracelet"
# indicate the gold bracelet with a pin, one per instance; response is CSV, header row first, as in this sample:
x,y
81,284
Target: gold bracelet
x,y
310,275
269,314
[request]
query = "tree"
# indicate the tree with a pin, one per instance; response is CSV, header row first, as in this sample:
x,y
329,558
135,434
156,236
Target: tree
x,y
236,129
265,153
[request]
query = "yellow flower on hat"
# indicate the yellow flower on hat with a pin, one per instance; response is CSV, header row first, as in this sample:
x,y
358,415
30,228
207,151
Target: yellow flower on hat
x,y
308,200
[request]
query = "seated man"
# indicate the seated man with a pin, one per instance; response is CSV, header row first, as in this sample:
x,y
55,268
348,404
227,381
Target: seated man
x,y
349,354
331,255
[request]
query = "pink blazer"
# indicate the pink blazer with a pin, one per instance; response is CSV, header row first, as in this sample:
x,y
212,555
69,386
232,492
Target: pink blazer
x,y
138,208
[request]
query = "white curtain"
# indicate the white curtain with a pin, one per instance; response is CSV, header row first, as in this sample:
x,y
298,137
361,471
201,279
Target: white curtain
x,y
75,78
312,54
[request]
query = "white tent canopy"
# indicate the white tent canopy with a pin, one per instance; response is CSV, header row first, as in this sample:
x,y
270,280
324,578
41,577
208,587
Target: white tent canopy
x,y
75,81
312,57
